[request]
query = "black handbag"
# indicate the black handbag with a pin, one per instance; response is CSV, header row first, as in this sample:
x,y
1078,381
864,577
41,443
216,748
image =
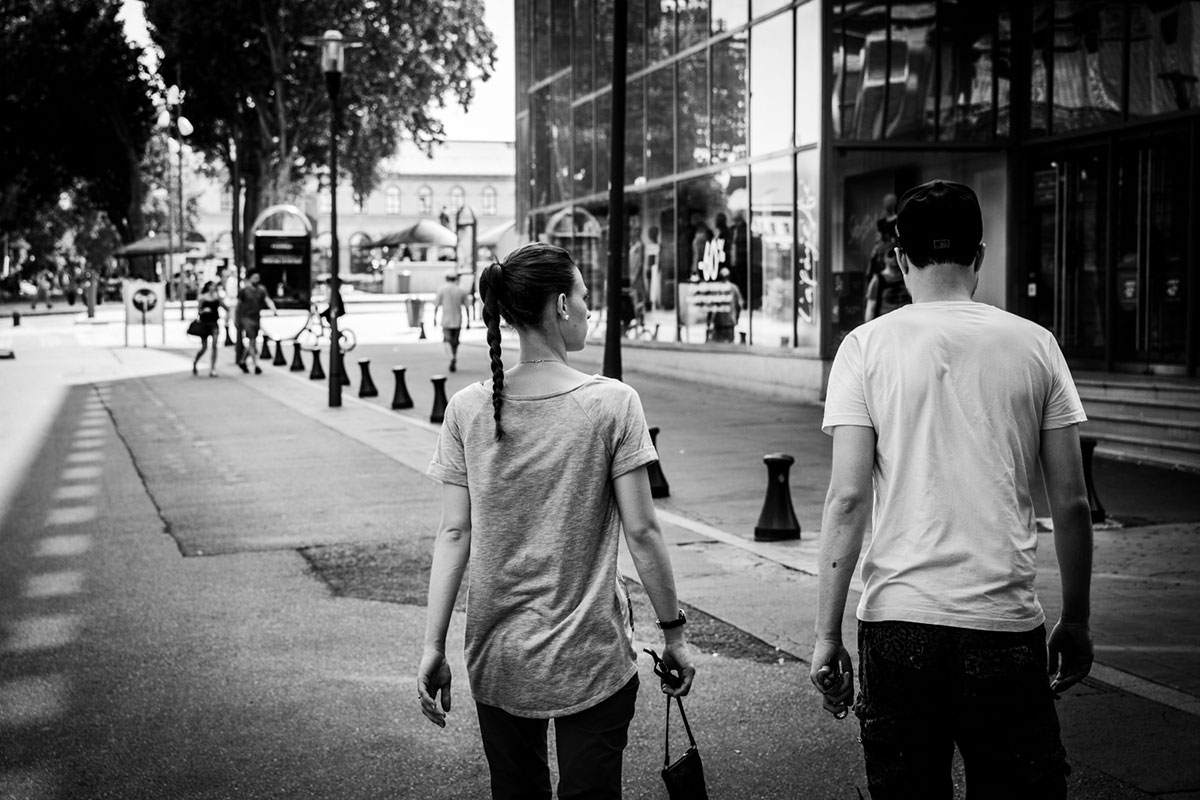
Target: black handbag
x,y
195,328
684,778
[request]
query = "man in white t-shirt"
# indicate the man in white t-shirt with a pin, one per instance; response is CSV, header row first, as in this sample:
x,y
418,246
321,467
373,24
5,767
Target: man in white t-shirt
x,y
940,413
452,300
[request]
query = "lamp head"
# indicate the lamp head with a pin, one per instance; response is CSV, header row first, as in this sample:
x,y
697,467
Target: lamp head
x,y
333,52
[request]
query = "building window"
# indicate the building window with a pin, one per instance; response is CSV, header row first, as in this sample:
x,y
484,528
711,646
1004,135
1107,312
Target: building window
x,y
227,199
458,198
325,201
488,201
392,200
424,201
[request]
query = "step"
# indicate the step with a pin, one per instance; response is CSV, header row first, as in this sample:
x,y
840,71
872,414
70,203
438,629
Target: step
x,y
1141,410
1181,394
1148,453
1167,432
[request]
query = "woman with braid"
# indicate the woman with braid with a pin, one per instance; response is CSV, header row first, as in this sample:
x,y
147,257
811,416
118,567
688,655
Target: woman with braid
x,y
541,468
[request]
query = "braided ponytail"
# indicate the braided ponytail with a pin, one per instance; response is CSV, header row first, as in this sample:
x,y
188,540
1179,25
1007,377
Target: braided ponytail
x,y
518,291
491,282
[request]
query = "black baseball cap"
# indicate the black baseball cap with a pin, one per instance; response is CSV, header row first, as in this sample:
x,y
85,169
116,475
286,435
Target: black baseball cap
x,y
940,221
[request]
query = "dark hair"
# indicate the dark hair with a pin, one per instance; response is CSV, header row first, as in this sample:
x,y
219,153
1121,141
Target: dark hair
x,y
208,285
518,291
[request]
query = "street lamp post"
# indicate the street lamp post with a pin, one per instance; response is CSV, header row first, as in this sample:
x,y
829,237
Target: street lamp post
x,y
333,62
173,121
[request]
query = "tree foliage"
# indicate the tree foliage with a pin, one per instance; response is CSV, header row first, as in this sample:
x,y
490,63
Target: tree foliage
x,y
255,93
75,113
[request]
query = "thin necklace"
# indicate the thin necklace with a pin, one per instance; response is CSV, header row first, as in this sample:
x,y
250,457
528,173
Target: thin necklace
x,y
542,361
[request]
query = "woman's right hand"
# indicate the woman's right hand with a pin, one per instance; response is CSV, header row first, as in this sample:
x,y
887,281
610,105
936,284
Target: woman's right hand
x,y
678,656
434,676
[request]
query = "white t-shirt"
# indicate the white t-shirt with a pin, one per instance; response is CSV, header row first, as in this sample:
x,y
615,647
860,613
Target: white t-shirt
x,y
958,393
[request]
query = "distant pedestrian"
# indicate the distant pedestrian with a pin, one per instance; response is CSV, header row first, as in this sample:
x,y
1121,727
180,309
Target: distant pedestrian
x,y
229,293
42,284
941,413
886,290
252,299
452,300
210,305
535,498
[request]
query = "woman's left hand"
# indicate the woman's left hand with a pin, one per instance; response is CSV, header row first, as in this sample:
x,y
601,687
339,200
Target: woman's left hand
x,y
433,677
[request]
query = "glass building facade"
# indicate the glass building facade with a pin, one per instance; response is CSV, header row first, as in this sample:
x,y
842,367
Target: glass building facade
x,y
763,139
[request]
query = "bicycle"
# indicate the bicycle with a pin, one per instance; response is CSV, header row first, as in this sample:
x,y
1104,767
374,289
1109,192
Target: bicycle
x,y
316,333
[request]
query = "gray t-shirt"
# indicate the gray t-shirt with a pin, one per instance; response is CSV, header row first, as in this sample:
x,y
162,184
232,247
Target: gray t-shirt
x,y
548,628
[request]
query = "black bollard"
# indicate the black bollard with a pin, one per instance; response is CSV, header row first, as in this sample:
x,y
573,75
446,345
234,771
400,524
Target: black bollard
x,y
401,398
422,336
228,338
318,372
16,319
658,482
366,387
439,398
280,358
1088,446
265,355
778,518
297,358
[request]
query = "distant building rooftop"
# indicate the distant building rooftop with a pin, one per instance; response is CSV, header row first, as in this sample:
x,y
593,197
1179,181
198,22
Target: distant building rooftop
x,y
475,158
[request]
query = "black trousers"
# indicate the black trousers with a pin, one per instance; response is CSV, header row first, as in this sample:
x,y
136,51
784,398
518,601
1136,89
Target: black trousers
x,y
590,747
925,688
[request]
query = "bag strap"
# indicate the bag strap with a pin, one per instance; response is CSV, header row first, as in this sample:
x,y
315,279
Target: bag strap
x,y
686,726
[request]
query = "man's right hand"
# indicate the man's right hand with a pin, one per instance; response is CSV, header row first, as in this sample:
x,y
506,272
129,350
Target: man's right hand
x,y
1070,654
832,672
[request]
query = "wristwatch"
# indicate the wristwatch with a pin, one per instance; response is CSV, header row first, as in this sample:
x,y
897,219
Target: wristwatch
x,y
675,623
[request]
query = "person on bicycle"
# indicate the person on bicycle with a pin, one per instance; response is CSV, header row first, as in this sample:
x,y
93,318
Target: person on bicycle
x,y
252,299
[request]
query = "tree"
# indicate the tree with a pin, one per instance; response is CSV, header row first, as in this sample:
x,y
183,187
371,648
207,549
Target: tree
x,y
75,112
257,100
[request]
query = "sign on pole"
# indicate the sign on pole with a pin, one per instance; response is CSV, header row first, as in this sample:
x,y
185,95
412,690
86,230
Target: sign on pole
x,y
144,303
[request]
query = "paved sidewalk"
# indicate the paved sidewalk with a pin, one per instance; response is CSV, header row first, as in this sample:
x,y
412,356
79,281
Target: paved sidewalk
x,y
238,675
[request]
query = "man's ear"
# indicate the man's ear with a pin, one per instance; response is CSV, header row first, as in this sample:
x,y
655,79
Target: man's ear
x,y
902,261
979,256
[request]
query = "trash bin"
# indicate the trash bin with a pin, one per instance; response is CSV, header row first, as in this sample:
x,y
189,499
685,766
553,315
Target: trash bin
x,y
415,308
404,282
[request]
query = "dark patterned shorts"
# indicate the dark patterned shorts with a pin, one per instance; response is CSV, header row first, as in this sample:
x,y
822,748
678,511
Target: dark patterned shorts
x,y
925,688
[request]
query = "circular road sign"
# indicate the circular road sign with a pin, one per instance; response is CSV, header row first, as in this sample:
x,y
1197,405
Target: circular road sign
x,y
144,300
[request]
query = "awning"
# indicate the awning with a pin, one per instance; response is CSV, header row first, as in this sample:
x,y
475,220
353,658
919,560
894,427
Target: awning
x,y
424,232
491,237
153,246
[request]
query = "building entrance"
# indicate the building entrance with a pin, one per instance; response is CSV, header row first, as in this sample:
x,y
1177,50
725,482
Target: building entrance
x,y
1110,247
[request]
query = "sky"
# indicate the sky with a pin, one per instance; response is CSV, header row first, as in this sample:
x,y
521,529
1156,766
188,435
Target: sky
x,y
492,116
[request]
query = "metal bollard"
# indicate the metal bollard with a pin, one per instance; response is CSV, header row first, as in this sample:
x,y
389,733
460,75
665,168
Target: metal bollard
x,y
778,518
1088,447
318,372
297,358
366,387
439,398
16,319
422,336
401,398
280,358
228,338
658,482
266,349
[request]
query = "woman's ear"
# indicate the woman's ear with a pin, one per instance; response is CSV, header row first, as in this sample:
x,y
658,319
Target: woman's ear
x,y
561,305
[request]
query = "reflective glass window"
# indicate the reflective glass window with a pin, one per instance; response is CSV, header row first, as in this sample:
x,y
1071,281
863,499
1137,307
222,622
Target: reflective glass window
x,y
660,123
967,35
1164,57
729,99
635,35
759,8
1002,72
710,303
1087,57
693,22
391,200
604,43
584,36
658,237
808,248
635,135
808,73
541,39
584,139
908,70
660,29
523,190
560,32
727,15
692,135
603,126
523,52
769,284
560,138
771,85
541,154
